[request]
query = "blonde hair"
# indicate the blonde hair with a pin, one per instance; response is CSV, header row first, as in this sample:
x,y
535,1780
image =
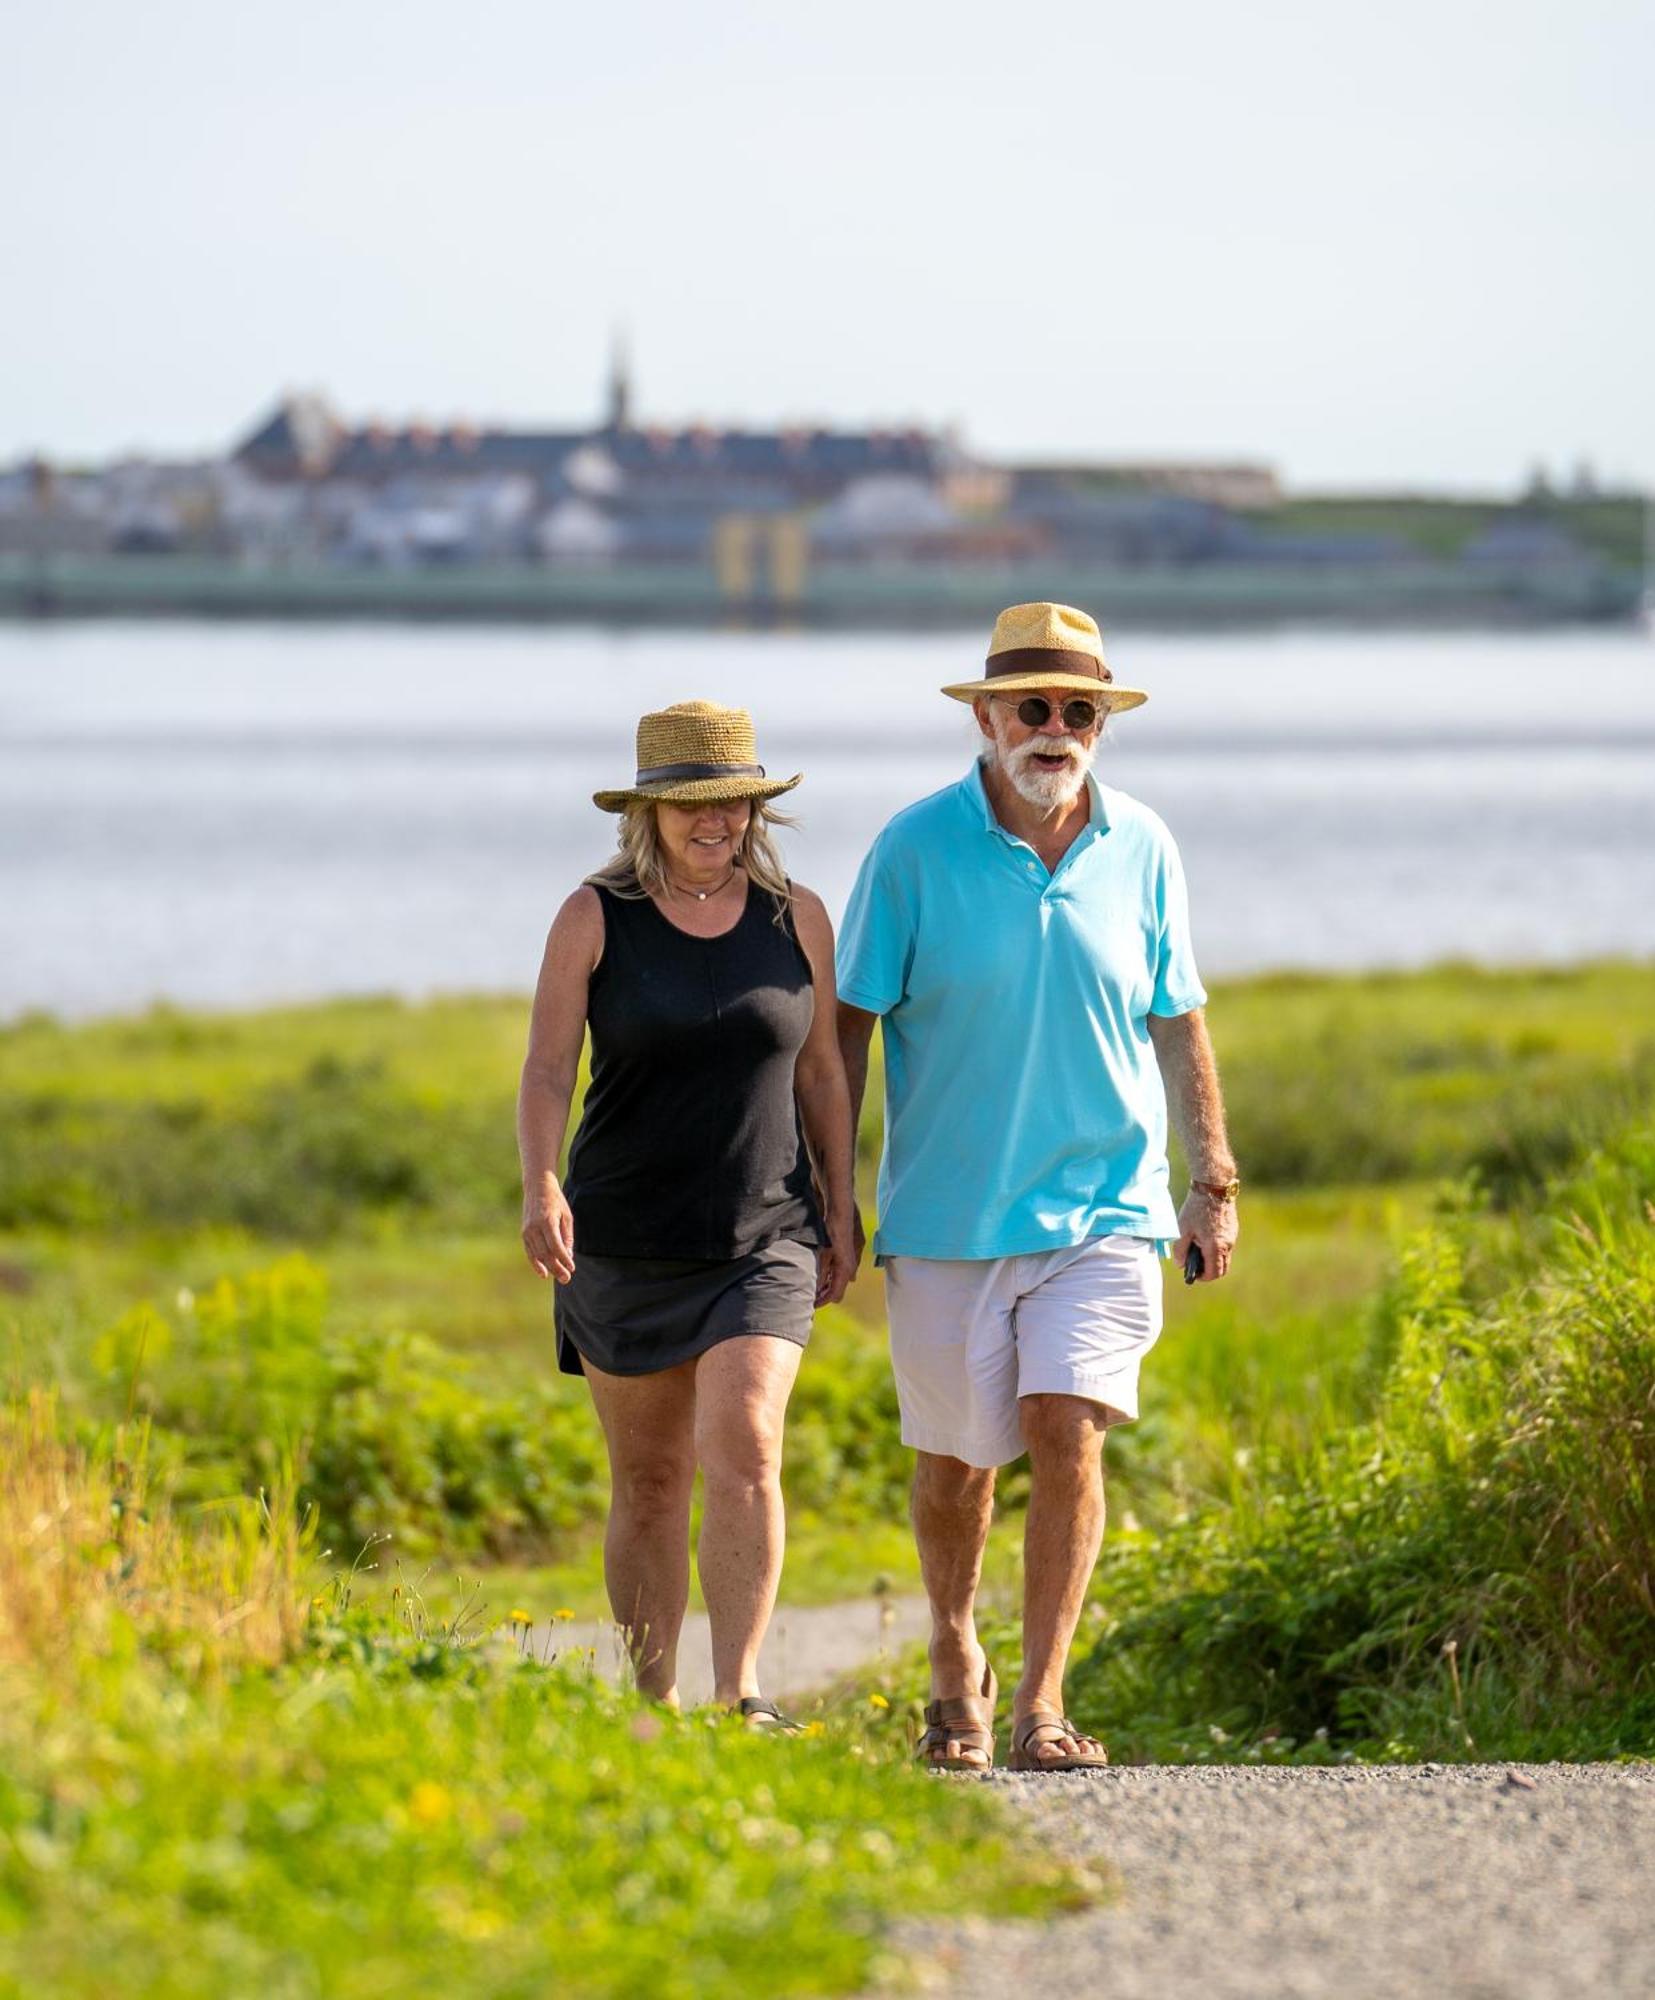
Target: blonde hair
x,y
639,870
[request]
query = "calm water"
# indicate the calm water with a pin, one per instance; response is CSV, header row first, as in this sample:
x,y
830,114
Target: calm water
x,y
235,814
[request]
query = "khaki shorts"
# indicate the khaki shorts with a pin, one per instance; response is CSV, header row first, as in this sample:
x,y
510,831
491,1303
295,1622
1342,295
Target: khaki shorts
x,y
969,1337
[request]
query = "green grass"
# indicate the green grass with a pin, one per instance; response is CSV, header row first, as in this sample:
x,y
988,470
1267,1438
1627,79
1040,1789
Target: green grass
x,y
478,1829
288,1239
1610,527
1469,1571
221,1773
413,1377
312,1124
143,1162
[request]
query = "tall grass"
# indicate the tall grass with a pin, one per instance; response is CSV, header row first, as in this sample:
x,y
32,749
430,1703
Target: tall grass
x,y
217,1778
303,1124
91,1557
1473,1569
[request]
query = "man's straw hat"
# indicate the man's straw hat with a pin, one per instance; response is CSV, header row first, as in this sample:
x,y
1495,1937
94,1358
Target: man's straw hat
x,y
695,752
1047,645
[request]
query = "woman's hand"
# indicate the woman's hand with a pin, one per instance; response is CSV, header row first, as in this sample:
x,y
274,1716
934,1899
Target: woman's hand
x,y
549,1231
837,1260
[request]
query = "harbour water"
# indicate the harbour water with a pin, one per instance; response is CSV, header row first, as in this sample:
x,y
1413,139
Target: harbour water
x,y
228,815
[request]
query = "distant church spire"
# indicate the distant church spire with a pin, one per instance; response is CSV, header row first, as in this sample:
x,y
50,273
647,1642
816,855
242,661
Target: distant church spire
x,y
620,384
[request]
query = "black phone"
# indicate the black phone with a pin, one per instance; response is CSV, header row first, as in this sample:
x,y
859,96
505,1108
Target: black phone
x,y
1194,1263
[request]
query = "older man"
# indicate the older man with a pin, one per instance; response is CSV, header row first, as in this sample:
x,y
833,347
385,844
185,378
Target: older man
x,y
1023,937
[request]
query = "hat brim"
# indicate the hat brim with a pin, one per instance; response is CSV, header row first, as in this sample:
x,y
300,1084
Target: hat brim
x,y
1108,694
695,792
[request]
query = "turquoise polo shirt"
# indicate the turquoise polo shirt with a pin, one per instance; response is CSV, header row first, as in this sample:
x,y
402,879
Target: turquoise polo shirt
x,y
1024,1108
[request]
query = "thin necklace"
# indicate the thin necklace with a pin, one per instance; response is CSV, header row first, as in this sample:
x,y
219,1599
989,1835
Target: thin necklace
x,y
701,895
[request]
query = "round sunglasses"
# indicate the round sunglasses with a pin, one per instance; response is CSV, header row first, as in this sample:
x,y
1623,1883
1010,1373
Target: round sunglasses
x,y
1034,711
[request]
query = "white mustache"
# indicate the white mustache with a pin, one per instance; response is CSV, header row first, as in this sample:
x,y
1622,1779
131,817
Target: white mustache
x,y
1048,746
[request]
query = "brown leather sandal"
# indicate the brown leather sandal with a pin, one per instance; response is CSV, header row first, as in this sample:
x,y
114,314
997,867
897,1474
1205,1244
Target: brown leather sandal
x,y
1046,1725
960,1722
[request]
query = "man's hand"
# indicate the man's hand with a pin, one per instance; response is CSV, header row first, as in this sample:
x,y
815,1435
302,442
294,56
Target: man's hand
x,y
1212,1224
549,1231
838,1258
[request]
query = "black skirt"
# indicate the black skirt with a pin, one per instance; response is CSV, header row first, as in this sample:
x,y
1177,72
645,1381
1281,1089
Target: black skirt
x,y
638,1315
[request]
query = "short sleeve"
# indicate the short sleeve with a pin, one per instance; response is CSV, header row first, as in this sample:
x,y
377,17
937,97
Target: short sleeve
x,y
1178,987
876,939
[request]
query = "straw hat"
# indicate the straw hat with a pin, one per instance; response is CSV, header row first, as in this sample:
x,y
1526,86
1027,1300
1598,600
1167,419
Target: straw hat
x,y
695,752
1047,646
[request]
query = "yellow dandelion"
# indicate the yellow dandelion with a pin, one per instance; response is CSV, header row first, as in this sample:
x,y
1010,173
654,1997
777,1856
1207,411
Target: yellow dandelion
x,y
564,1614
877,1701
520,1617
429,1804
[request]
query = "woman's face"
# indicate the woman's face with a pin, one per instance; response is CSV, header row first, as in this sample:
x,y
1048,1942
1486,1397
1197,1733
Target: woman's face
x,y
702,842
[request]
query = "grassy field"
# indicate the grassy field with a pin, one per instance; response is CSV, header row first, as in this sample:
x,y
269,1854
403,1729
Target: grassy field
x,y
1611,527
1469,1570
1392,1495
302,1224
221,1774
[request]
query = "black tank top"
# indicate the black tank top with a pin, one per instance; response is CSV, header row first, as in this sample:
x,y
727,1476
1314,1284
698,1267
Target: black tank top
x,y
689,1143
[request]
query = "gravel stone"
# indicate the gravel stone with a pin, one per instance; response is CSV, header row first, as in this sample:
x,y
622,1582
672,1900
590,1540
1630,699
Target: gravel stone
x,y
1361,1882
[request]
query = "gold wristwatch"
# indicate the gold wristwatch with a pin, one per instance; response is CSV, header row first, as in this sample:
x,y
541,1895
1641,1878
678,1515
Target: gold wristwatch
x,y
1220,1190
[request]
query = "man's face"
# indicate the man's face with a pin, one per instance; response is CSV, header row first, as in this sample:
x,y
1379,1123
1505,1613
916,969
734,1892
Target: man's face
x,y
1046,765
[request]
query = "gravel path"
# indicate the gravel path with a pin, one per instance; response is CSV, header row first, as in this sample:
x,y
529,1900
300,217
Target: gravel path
x,y
806,1648
1480,1880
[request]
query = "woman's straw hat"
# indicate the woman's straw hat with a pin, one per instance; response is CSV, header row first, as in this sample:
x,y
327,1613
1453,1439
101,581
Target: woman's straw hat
x,y
695,752
1047,645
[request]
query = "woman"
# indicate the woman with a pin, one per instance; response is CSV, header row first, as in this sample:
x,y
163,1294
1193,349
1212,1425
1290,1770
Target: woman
x,y
689,1247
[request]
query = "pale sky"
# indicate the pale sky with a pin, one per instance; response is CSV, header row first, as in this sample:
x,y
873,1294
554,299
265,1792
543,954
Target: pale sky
x,y
1375,245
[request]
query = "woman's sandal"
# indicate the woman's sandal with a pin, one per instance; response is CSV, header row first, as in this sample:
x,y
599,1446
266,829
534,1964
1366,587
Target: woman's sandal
x,y
960,1722
1046,1725
758,1713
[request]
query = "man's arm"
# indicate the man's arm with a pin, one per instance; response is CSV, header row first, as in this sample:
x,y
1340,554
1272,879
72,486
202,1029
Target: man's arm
x,y
856,1027
1195,1105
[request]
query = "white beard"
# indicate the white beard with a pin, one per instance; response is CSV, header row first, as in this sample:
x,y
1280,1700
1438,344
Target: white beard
x,y
1051,791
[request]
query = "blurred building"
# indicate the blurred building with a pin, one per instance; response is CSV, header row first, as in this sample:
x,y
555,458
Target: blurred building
x,y
703,514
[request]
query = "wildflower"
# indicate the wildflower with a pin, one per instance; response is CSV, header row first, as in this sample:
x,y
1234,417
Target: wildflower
x,y
520,1617
564,1615
877,1701
429,1804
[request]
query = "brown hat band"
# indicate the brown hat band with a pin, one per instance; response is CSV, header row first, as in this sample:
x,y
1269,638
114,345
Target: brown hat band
x,y
661,774
1046,659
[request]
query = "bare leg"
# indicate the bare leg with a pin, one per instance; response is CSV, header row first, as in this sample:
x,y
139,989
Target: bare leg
x,y
1061,1539
953,1504
741,1391
649,1426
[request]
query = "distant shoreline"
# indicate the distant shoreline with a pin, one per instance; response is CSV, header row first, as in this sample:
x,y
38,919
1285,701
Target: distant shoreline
x,y
1426,593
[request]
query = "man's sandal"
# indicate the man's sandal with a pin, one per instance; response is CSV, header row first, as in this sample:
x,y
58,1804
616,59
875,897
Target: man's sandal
x,y
1046,1725
957,1723
758,1713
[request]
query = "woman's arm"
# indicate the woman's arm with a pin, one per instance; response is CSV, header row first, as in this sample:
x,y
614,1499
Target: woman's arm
x,y
824,1101
550,1071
